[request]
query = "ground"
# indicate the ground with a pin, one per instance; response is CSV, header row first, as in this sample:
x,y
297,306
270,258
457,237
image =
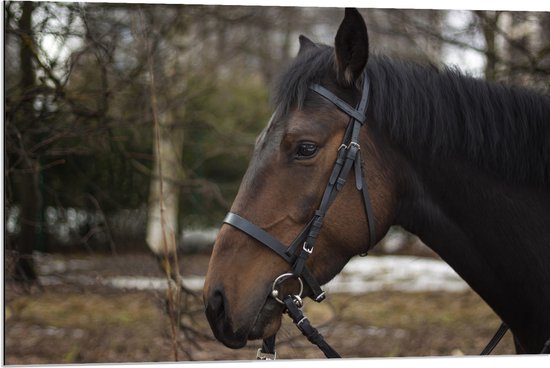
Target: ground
x,y
71,320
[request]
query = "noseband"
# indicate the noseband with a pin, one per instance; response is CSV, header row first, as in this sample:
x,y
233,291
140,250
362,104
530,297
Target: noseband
x,y
297,253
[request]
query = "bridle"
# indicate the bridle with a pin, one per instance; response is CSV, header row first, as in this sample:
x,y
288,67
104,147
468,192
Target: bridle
x,y
297,253
348,157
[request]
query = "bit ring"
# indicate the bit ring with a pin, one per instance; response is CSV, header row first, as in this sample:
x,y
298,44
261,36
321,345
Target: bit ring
x,y
282,278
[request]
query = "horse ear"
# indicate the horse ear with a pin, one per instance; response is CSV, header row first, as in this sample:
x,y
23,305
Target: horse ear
x,y
305,44
352,47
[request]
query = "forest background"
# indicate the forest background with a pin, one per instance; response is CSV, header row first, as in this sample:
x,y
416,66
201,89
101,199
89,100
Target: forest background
x,y
91,88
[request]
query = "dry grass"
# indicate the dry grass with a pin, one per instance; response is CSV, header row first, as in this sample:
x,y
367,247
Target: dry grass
x,y
63,325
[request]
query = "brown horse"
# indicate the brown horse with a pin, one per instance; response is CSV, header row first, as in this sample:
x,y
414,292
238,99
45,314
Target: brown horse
x,y
463,163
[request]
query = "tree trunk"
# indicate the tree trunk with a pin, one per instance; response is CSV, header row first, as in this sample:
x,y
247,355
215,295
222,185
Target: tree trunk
x,y
489,22
162,222
27,186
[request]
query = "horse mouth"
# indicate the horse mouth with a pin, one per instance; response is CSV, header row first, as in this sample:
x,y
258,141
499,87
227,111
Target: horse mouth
x,y
265,323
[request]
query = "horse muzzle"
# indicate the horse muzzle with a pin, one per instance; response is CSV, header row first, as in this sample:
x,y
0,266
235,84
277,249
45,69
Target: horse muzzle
x,y
255,321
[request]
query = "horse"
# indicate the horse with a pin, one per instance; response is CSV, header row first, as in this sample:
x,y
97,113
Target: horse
x,y
461,162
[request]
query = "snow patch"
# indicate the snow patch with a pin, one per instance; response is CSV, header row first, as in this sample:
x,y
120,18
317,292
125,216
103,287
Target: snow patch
x,y
359,276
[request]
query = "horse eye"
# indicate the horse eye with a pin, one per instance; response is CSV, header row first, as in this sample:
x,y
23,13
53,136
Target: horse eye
x,y
306,150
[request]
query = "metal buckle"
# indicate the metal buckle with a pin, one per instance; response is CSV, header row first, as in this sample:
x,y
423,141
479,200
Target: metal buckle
x,y
260,355
298,302
321,297
355,144
306,248
351,144
280,279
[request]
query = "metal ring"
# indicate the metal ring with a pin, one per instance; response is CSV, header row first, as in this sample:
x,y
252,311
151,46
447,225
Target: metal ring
x,y
281,278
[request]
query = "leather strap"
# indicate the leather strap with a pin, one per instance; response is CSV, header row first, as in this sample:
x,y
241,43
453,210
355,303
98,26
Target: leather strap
x,y
338,102
265,238
352,158
307,329
546,347
259,234
368,209
495,340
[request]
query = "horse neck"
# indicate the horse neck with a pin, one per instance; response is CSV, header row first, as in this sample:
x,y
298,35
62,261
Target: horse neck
x,y
495,235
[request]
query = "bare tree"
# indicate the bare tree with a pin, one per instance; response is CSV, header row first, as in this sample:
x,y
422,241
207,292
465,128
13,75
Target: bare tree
x,y
23,134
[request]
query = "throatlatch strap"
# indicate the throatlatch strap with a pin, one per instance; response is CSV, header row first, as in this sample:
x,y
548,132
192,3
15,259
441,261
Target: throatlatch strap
x,y
368,209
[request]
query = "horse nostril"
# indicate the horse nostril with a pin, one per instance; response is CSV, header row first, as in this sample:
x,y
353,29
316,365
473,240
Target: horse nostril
x,y
217,313
215,306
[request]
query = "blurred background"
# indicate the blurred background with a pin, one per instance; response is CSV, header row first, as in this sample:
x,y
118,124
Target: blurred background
x,y
127,129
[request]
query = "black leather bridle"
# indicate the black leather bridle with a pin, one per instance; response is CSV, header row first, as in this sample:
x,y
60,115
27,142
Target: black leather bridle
x,y
297,253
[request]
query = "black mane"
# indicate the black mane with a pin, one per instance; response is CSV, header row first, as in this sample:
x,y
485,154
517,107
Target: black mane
x,y
436,112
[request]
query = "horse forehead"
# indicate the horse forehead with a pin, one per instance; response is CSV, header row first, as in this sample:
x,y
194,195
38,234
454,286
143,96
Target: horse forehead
x,y
265,148
298,122
260,140
272,134
270,139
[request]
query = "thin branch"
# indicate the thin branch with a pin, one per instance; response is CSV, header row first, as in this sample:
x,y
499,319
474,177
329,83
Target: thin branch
x,y
172,305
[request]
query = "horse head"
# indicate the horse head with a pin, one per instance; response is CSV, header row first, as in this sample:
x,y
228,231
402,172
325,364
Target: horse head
x,y
285,183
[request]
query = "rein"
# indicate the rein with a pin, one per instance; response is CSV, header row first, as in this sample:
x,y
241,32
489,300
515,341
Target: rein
x,y
297,253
